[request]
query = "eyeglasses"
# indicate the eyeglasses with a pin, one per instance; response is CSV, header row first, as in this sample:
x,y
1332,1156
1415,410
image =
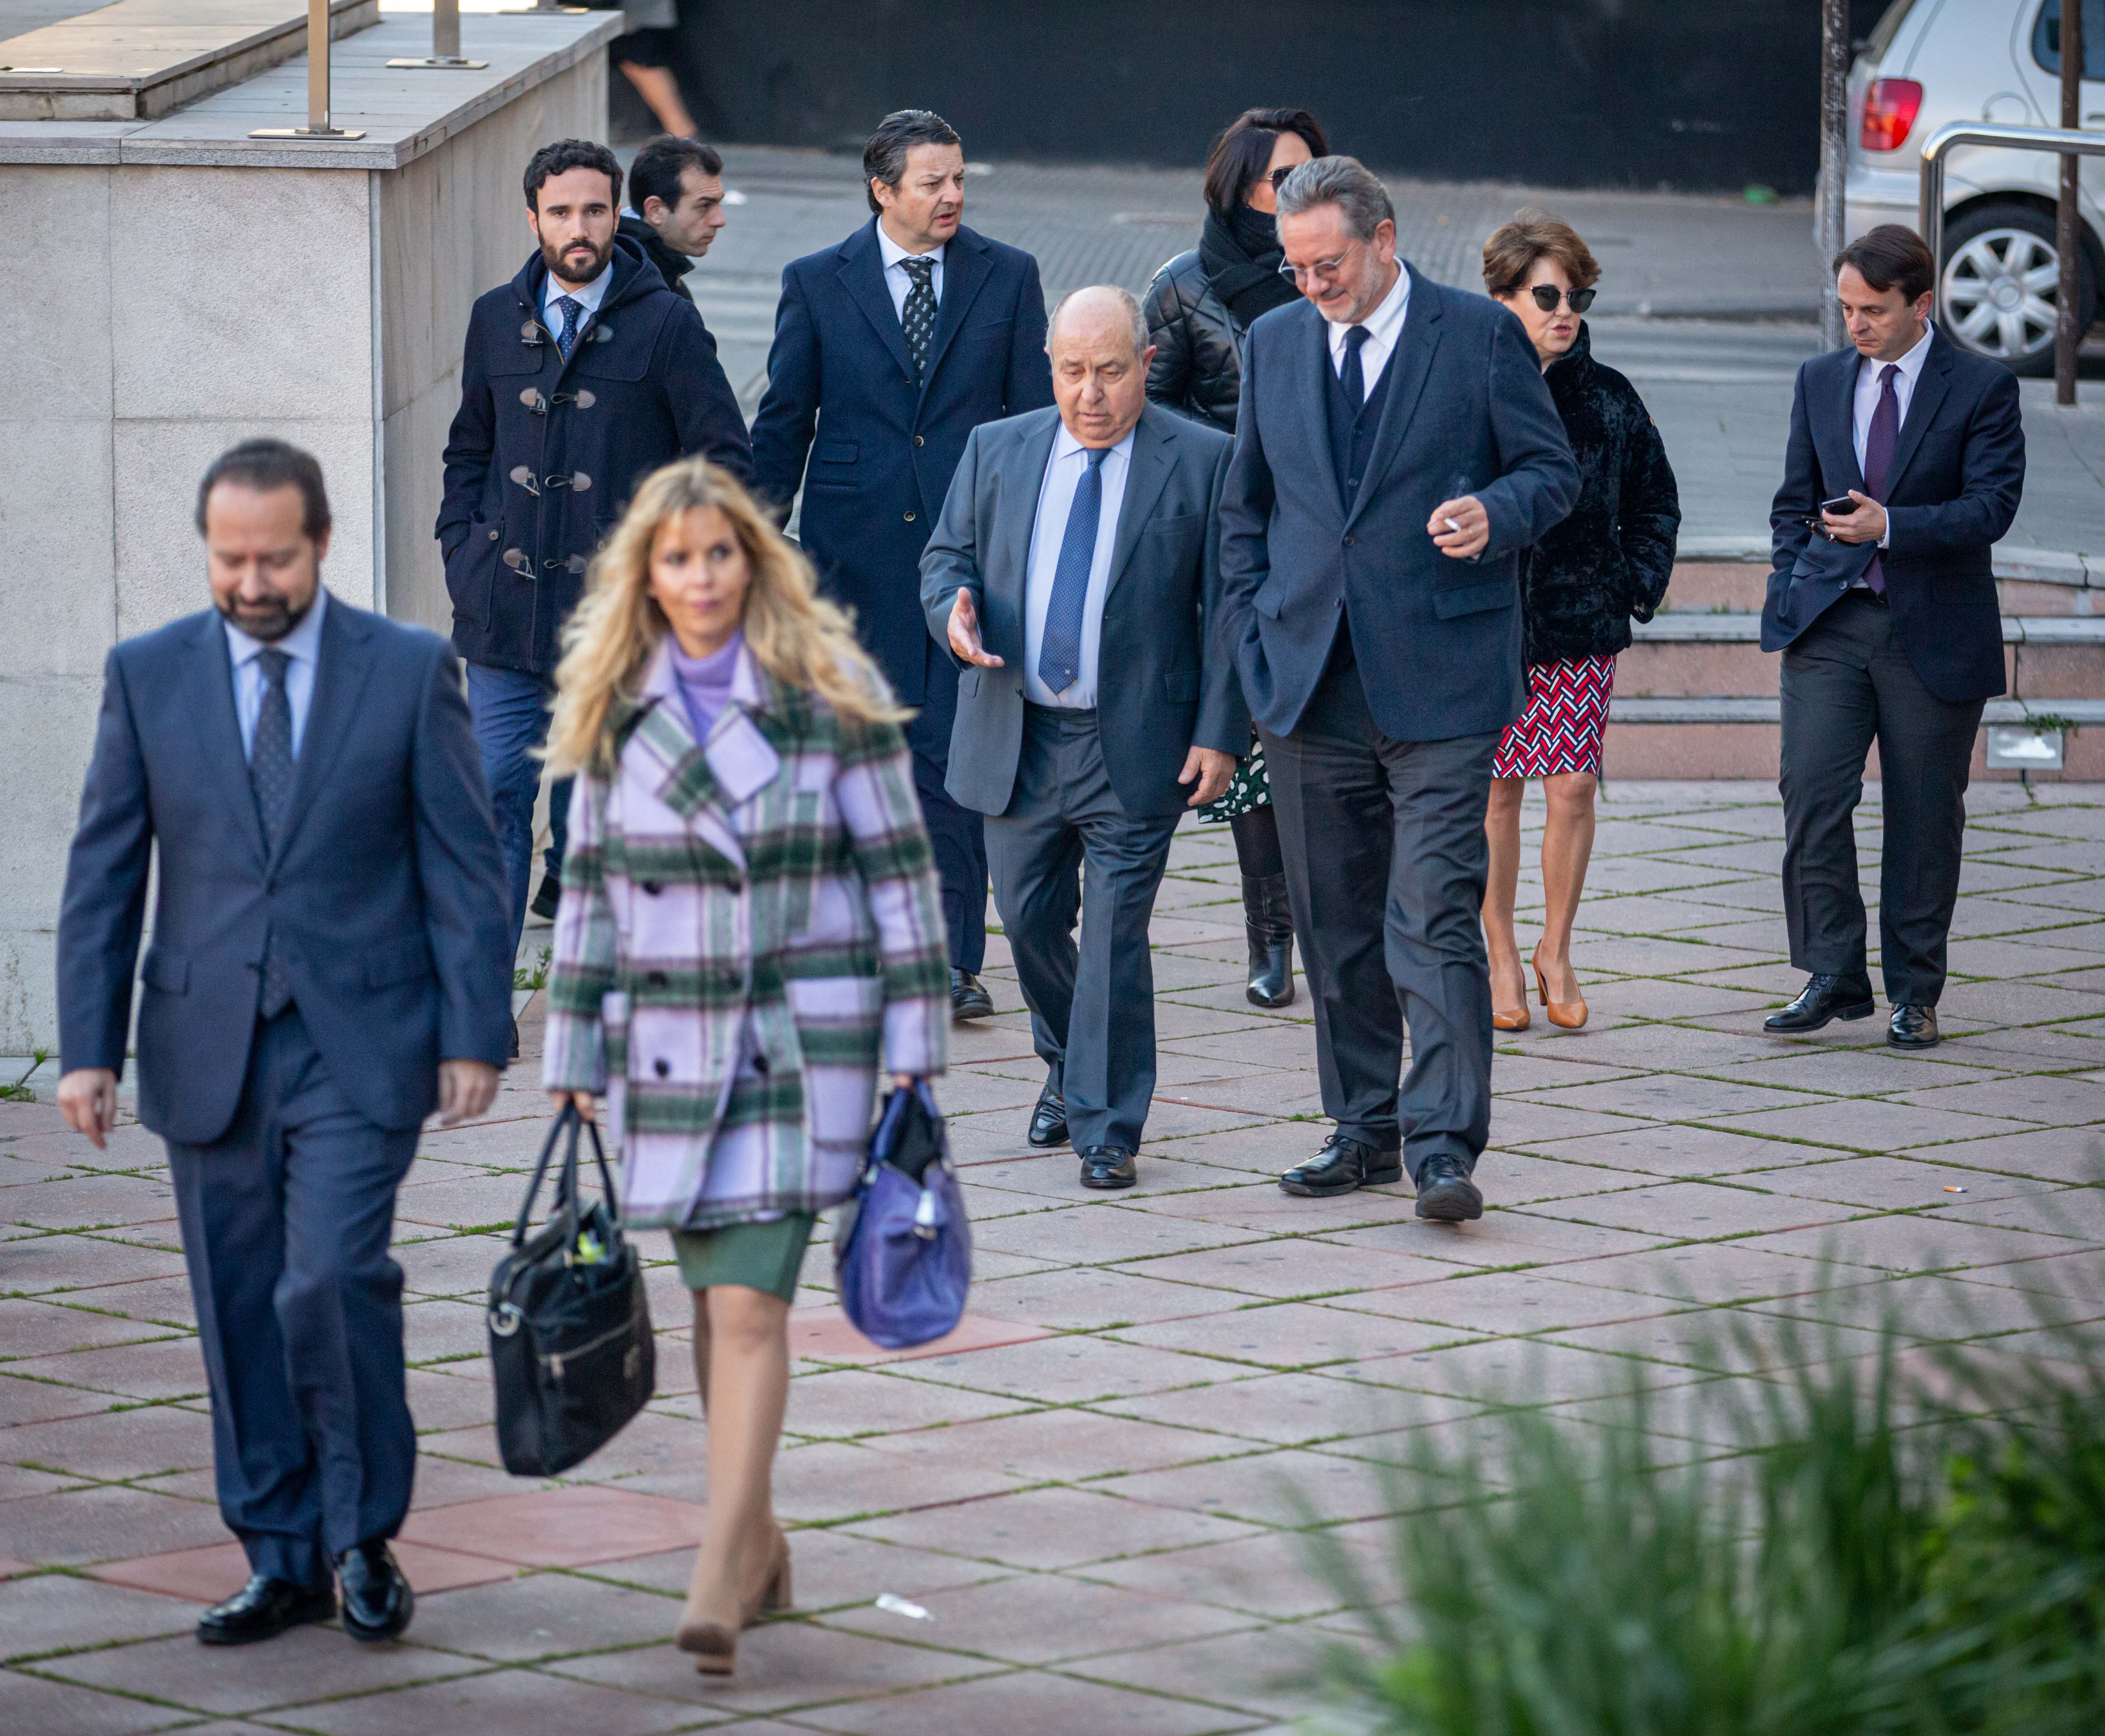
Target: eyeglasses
x,y
1324,270
1547,297
1277,177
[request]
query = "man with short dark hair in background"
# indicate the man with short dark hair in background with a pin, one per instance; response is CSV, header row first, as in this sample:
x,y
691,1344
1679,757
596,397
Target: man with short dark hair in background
x,y
582,375
676,205
328,966
890,349
1906,464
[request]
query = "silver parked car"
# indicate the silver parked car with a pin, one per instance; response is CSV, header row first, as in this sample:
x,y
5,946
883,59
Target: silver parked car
x,y
1931,62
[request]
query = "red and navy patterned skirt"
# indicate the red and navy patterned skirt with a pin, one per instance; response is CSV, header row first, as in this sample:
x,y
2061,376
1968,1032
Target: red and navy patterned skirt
x,y
1560,731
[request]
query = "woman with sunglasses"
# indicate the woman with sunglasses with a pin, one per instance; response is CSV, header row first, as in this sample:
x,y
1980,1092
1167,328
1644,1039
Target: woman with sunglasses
x,y
1582,582
1198,308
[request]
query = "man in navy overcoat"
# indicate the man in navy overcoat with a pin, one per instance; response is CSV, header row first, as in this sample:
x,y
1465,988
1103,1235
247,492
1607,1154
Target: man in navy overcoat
x,y
889,350
328,964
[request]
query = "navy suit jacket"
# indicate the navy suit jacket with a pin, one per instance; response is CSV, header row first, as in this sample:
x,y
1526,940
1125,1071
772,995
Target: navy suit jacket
x,y
1951,491
1164,681
1438,640
887,449
385,899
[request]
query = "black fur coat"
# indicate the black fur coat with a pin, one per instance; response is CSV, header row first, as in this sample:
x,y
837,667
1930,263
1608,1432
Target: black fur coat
x,y
1612,558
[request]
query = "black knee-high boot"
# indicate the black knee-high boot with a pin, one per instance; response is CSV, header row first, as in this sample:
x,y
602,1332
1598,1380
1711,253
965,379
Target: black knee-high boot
x,y
1266,920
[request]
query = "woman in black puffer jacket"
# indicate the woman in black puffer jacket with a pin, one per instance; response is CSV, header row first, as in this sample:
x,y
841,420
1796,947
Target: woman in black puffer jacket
x,y
1582,582
1198,308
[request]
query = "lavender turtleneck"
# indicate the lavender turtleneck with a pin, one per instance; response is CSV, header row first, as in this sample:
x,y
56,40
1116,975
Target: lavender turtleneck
x,y
704,682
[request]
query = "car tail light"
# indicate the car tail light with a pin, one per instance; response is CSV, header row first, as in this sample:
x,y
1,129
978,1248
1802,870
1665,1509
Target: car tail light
x,y
1890,107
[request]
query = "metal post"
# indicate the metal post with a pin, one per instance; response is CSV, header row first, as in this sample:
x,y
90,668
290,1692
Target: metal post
x,y
445,55
1929,208
2068,225
1833,160
318,125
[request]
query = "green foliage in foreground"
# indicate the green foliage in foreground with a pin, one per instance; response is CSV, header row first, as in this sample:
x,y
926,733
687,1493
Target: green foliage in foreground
x,y
1917,1555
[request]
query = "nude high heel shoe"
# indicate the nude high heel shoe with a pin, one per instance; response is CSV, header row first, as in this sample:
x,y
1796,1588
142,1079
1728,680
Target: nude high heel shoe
x,y
1568,1015
774,1596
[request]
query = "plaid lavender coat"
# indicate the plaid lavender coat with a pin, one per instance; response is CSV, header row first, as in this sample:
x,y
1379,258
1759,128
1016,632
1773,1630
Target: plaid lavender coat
x,y
747,929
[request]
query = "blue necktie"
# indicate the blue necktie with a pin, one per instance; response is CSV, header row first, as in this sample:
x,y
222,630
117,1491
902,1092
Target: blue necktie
x,y
1354,378
271,775
1060,652
566,339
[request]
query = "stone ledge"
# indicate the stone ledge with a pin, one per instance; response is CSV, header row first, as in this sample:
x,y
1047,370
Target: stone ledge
x,y
1750,710
137,59
1742,627
404,115
2012,561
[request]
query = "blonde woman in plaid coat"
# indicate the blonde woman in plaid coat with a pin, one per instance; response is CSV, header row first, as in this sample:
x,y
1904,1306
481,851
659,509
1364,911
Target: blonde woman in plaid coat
x,y
751,930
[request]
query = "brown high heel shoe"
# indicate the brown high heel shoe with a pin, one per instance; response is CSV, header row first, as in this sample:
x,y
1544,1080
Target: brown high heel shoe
x,y
774,1596
1569,1015
1516,1020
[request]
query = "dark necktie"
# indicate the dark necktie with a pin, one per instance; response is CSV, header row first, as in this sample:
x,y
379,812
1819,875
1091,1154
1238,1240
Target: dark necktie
x,y
566,339
270,777
1878,444
1354,377
917,317
1059,652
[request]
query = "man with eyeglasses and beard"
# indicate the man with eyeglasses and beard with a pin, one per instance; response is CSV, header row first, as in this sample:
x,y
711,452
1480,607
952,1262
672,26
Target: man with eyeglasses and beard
x,y
581,376
1395,449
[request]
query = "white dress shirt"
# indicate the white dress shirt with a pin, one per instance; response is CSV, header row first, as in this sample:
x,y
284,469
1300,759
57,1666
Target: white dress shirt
x,y
1055,499
1384,326
1868,372
588,297
303,645
896,277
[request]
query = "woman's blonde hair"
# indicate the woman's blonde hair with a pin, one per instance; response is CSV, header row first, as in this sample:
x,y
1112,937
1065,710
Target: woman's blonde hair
x,y
800,638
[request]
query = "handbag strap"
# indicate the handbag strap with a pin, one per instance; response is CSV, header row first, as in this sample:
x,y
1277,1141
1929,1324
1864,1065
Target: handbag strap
x,y
567,1119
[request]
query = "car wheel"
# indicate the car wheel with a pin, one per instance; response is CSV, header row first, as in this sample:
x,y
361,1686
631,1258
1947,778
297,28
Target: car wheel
x,y
2001,287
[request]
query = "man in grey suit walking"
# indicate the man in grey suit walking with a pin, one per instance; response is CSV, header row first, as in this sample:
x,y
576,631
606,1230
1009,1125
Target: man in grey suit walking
x,y
1073,576
330,962
1395,450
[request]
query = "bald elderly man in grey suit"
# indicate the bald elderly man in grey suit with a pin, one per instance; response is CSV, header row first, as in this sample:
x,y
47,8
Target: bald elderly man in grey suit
x,y
1073,576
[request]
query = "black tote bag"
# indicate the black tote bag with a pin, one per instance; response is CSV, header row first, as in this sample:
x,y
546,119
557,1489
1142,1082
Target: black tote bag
x,y
569,1329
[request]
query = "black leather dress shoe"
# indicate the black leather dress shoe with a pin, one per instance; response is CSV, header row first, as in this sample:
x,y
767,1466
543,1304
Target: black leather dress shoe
x,y
1445,1194
1824,999
377,1602
1343,1164
968,996
1913,1027
264,1609
1048,1120
1108,1166
548,899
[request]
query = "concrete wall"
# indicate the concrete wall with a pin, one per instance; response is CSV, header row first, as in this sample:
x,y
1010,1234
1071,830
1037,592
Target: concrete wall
x,y
195,305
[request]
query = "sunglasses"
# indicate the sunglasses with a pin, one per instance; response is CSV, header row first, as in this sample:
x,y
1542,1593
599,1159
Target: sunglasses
x,y
1277,177
1547,298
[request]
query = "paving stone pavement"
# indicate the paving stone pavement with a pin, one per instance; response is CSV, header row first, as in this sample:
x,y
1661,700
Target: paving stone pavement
x,y
1095,1489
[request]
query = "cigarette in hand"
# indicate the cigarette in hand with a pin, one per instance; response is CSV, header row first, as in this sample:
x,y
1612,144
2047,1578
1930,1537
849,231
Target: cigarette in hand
x,y
1451,525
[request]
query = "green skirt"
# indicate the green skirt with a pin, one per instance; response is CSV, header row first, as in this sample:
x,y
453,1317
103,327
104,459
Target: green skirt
x,y
760,1256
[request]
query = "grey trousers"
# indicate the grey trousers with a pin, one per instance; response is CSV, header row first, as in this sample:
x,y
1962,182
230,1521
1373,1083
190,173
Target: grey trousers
x,y
1386,859
1065,846
286,1219
1846,682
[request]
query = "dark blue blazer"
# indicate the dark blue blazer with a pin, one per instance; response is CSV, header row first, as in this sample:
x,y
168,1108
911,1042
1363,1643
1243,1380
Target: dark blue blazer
x,y
886,448
544,454
1438,640
1954,486
386,898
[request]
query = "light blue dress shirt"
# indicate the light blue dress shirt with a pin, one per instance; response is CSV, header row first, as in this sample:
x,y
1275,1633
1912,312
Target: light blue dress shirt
x,y
1055,499
303,645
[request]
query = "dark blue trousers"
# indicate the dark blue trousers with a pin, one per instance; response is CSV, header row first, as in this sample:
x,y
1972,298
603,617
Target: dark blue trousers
x,y
286,1219
956,834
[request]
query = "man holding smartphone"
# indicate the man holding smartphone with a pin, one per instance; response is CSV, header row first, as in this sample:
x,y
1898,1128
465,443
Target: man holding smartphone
x,y
1905,462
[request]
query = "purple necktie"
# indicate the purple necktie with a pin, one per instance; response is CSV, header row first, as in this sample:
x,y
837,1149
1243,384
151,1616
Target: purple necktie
x,y
1878,457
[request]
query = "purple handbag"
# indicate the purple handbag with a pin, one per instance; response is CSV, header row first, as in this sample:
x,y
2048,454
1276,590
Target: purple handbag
x,y
904,1261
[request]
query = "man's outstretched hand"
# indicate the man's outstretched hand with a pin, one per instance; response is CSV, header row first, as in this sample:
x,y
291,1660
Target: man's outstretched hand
x,y
965,633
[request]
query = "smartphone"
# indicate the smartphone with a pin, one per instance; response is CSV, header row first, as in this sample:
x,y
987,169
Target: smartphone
x,y
1841,506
